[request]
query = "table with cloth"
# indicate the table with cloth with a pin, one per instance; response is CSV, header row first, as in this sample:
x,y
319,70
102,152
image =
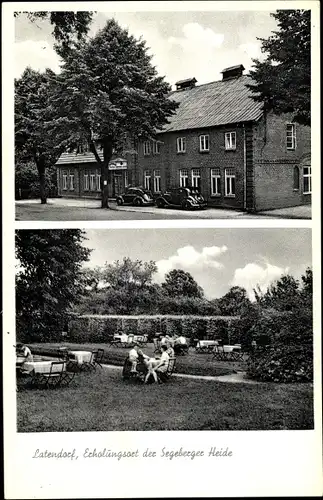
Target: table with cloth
x,y
39,366
81,356
206,345
228,352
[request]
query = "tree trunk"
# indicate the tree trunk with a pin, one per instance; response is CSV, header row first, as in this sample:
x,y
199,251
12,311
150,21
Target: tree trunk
x,y
105,173
41,173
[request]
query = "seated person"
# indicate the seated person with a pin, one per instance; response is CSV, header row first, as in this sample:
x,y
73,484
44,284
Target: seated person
x,y
24,351
180,340
133,358
154,365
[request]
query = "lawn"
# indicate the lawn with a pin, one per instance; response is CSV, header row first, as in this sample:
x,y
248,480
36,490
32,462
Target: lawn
x,y
102,401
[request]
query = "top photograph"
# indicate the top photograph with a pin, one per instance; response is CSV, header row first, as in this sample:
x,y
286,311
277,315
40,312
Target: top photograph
x,y
162,115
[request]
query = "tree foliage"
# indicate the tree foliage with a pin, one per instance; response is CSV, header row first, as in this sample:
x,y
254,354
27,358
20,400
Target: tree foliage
x,y
234,302
179,283
27,180
68,26
33,143
283,80
48,280
108,94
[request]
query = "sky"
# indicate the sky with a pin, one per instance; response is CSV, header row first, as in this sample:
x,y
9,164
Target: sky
x,y
183,44
217,258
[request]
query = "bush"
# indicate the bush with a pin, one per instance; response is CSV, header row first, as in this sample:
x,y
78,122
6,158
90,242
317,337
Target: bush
x,y
282,363
27,181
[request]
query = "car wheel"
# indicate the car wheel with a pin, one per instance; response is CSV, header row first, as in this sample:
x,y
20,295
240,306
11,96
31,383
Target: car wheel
x,y
119,201
160,203
138,202
185,205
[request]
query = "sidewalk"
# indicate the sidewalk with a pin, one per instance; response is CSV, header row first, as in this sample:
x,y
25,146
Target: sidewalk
x,y
300,212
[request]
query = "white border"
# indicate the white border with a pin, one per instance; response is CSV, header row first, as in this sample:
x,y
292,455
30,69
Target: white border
x,y
264,463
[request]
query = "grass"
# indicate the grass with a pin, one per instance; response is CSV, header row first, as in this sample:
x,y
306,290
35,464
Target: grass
x,y
193,363
102,401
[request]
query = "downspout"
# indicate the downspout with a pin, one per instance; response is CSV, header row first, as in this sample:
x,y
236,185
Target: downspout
x,y
79,171
244,169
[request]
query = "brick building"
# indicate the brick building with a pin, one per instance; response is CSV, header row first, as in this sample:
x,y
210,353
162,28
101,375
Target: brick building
x,y
78,174
220,141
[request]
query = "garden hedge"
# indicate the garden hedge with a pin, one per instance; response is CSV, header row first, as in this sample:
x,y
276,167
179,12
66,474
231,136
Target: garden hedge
x,y
99,328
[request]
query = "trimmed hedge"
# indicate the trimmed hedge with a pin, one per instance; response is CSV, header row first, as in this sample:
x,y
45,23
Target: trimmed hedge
x,y
91,328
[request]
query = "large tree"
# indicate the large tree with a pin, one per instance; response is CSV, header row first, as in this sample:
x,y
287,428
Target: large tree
x,y
108,94
48,280
282,295
179,283
32,96
235,302
283,80
32,141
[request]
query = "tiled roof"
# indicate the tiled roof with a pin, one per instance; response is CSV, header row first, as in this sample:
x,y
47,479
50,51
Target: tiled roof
x,y
68,158
214,104
73,158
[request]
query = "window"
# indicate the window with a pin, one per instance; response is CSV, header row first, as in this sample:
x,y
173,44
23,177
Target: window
x,y
64,181
215,182
230,182
71,182
147,180
204,143
146,148
307,180
92,182
183,178
181,144
157,181
296,178
196,178
291,136
230,140
86,182
98,182
156,147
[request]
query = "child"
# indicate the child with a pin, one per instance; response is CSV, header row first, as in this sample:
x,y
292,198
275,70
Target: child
x,y
133,358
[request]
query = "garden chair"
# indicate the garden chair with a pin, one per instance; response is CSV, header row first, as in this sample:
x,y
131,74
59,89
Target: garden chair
x,y
156,345
164,376
67,378
89,365
49,379
98,358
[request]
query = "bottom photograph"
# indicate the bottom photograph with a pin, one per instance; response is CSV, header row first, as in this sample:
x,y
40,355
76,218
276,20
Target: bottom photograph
x,y
164,329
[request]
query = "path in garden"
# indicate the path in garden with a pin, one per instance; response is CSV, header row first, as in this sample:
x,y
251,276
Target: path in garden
x,y
233,377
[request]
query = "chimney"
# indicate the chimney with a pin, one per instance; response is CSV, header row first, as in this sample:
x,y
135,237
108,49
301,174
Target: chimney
x,y
232,72
185,84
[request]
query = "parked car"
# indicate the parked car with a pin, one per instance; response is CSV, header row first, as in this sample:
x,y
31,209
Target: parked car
x,y
183,197
135,196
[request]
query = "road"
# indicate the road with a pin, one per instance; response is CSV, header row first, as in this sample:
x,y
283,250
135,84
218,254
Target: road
x,y
85,210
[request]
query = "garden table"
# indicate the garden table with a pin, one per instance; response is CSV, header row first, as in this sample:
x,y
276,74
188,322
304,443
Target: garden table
x,y
20,360
81,356
206,345
39,366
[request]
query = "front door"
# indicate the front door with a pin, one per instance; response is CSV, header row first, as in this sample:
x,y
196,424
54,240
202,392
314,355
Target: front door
x,y
117,184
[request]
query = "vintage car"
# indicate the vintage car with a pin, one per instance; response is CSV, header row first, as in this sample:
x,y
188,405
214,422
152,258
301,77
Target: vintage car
x,y
183,197
135,196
